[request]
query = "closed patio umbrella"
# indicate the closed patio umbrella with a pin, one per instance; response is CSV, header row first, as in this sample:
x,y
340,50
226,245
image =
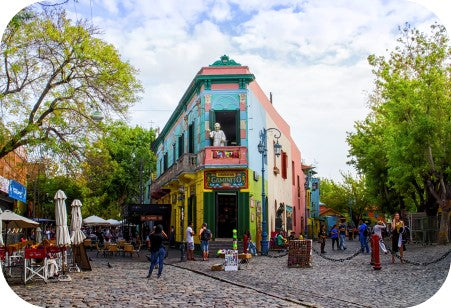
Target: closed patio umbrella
x,y
77,236
38,235
62,231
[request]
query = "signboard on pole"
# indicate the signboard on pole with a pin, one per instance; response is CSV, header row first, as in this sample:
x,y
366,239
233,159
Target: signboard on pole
x,y
17,191
231,260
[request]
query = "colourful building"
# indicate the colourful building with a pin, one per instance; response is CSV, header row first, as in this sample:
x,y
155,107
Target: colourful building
x,y
222,185
312,203
13,180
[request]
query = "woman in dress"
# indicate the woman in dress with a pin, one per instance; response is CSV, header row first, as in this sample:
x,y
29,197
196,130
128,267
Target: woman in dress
x,y
397,226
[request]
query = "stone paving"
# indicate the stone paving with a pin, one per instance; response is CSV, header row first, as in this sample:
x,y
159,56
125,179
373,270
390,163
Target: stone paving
x,y
265,282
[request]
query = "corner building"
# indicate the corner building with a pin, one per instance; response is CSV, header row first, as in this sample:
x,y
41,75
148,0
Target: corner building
x,y
222,185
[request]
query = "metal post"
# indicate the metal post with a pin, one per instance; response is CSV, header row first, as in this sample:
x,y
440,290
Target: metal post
x,y
182,244
264,242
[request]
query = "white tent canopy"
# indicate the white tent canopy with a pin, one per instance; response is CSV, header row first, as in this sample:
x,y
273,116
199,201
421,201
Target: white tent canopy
x,y
114,222
95,221
12,220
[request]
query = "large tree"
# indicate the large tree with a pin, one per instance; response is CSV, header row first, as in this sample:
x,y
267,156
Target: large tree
x,y
116,168
405,141
54,74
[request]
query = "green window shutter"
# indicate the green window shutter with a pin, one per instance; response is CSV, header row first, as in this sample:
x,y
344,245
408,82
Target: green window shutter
x,y
210,211
243,213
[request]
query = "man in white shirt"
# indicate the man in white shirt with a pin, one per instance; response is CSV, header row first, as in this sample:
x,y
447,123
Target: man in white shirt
x,y
190,241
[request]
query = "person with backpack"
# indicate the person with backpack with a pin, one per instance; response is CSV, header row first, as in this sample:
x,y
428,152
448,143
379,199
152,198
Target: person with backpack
x,y
363,235
205,237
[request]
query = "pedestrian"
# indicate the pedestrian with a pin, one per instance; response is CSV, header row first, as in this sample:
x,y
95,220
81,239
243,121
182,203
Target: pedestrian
x,y
397,227
363,234
246,237
190,242
322,237
378,231
172,237
157,251
342,235
292,236
205,237
334,236
251,245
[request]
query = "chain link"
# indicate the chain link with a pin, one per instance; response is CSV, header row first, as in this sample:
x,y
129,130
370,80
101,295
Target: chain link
x,y
277,256
421,263
338,260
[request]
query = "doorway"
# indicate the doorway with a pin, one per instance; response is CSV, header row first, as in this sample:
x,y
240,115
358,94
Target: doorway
x,y
227,214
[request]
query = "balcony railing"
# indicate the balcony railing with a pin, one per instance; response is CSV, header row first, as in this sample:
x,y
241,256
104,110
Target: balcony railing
x,y
210,156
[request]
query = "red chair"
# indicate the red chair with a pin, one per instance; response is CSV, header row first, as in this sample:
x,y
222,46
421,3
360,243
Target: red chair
x,y
35,264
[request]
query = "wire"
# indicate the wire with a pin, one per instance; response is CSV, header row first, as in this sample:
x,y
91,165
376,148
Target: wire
x,y
56,4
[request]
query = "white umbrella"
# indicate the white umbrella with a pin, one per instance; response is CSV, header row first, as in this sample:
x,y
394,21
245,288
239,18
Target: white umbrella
x,y
114,222
62,231
77,235
38,235
1,235
14,221
95,221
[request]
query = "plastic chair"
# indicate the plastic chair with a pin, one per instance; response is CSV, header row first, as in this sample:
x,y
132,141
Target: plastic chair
x,y
35,264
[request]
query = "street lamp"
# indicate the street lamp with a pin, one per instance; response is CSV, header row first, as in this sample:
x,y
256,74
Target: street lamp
x,y
262,149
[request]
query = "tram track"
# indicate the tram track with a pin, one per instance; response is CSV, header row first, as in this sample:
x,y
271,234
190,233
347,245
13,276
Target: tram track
x,y
331,301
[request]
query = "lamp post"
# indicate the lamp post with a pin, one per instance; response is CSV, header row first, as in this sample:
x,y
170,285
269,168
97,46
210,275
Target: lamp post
x,y
262,149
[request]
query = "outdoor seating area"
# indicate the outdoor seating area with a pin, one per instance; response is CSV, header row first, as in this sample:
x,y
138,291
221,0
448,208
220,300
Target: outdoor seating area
x,y
121,248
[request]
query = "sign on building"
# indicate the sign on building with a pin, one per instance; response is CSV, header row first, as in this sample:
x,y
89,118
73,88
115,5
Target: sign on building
x,y
226,179
17,191
231,260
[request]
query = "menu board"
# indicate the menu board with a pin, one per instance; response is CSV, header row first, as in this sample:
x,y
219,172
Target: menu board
x,y
231,260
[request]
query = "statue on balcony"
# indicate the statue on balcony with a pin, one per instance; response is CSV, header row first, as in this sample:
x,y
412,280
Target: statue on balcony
x,y
218,136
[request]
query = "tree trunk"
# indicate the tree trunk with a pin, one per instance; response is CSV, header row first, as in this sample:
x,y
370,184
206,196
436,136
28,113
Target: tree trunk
x,y
443,238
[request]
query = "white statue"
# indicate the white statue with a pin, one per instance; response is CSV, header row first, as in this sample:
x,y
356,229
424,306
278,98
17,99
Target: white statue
x,y
218,136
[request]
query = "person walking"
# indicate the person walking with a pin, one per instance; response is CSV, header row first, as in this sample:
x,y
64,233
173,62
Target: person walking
x,y
205,237
190,242
397,227
342,235
378,231
322,237
172,237
334,236
363,234
157,251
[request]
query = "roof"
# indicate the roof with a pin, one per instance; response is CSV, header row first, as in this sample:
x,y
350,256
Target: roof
x,y
326,211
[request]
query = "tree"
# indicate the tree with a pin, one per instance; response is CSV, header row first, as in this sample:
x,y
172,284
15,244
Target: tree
x,y
53,75
116,168
410,125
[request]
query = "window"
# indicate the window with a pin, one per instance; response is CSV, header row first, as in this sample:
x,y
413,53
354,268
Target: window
x,y
181,144
284,165
230,124
293,173
165,162
174,157
191,138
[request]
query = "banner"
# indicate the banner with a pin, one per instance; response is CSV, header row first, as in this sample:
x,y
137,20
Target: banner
x,y
231,260
4,184
17,191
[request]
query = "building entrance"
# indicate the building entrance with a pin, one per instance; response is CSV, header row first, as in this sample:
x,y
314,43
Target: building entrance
x,y
227,214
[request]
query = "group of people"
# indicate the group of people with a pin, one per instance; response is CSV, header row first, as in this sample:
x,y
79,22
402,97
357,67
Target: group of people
x,y
338,235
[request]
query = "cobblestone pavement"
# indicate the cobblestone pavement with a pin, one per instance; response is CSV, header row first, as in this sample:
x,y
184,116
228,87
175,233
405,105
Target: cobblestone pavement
x,y
265,282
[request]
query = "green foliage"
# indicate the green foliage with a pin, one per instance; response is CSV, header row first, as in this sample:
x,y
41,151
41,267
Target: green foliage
x,y
403,146
116,166
53,75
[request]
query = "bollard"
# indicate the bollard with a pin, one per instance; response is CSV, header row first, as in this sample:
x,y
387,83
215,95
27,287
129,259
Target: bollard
x,y
372,250
375,248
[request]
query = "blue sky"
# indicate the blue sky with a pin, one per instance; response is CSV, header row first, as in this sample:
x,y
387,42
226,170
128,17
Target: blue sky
x,y
310,54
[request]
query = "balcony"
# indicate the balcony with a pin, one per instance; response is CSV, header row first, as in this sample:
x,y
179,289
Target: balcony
x,y
189,163
228,155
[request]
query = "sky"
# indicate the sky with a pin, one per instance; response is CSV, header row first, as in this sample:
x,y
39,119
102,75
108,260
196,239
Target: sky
x,y
312,56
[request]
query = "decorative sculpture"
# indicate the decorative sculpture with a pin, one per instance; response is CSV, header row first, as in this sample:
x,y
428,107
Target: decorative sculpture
x,y
218,136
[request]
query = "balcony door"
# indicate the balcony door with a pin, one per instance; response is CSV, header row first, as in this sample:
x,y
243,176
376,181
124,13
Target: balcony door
x,y
230,124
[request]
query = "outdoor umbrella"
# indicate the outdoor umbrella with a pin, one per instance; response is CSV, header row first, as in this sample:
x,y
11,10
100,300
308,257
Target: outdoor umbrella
x,y
77,235
12,220
38,235
62,232
95,221
114,222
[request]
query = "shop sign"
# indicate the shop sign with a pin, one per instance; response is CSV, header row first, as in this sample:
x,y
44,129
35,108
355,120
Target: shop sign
x,y
4,184
151,218
17,191
231,260
226,179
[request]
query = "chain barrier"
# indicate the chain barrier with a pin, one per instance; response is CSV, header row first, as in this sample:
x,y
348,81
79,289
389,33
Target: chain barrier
x,y
421,263
338,260
277,256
